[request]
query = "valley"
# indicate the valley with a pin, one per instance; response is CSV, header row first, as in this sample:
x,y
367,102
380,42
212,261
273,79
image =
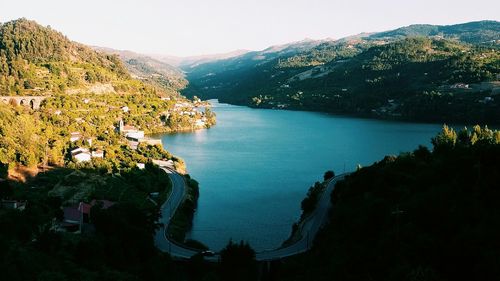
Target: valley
x,y
121,165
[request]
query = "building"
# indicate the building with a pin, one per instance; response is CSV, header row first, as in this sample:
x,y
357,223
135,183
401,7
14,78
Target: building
x,y
199,123
77,215
141,166
97,154
81,154
75,136
164,163
125,109
137,135
72,218
130,131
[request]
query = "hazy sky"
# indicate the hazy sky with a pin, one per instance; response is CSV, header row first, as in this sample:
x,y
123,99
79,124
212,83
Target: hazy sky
x,y
191,27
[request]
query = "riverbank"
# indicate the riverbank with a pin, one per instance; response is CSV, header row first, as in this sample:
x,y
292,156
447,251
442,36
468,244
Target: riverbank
x,y
264,160
384,115
308,206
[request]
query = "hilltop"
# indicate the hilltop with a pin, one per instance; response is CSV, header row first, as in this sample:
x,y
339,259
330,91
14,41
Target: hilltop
x,y
419,72
479,32
150,70
36,60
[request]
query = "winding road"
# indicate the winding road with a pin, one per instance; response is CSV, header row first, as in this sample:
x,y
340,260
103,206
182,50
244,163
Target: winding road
x,y
167,210
309,228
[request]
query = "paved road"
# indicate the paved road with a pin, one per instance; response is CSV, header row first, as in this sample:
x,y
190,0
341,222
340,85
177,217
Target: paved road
x,y
168,208
309,229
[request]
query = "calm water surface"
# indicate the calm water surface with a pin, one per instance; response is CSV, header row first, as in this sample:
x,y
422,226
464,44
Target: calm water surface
x,y
255,166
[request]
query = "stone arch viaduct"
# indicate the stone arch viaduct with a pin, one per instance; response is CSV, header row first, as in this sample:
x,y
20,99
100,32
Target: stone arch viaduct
x,y
31,101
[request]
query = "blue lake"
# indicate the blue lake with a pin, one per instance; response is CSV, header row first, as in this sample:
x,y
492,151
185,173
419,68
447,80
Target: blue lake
x,y
255,166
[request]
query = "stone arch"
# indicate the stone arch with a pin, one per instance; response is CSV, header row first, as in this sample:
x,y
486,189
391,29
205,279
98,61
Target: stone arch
x,y
32,103
23,102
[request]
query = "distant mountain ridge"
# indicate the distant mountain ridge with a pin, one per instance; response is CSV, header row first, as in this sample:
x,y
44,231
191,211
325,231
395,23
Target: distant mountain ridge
x,y
191,61
472,32
150,69
360,74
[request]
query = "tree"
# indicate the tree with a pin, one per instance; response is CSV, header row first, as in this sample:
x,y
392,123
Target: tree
x,y
238,262
329,175
445,140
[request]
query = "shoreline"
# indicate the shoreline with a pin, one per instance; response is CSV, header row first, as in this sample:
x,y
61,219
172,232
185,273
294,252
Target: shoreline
x,y
493,124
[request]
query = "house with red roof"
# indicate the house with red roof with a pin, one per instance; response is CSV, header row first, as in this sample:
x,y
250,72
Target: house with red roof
x,y
75,216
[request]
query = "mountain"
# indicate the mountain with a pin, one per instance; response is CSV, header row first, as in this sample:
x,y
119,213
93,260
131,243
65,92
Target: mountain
x,y
149,69
36,60
249,59
192,61
421,72
219,78
472,32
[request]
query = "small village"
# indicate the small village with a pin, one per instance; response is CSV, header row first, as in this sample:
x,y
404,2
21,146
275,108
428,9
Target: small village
x,y
84,148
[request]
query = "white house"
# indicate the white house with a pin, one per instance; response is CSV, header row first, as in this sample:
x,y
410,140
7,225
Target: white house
x,y
199,123
81,154
75,136
141,166
82,157
97,154
135,135
125,109
130,131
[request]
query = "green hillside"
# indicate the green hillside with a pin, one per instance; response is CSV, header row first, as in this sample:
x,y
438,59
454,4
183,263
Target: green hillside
x,y
36,60
483,32
86,92
150,70
411,73
422,215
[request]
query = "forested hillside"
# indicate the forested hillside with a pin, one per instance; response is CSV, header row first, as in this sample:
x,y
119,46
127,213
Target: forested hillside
x,y
36,60
423,72
422,215
86,94
79,193
151,70
480,32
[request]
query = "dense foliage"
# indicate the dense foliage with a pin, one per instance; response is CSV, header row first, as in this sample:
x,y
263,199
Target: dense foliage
x,y
37,60
86,92
425,215
121,246
447,75
238,262
480,32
